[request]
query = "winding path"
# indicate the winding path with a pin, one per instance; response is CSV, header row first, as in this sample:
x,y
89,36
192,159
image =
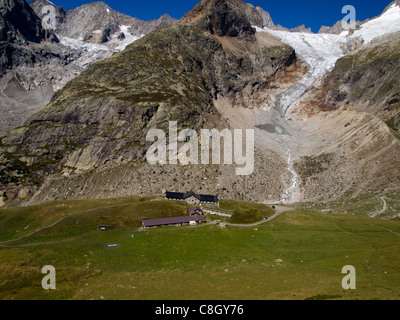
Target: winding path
x,y
279,210
378,213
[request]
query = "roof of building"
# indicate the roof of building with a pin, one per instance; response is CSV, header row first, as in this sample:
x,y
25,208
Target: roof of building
x,y
184,196
170,221
194,210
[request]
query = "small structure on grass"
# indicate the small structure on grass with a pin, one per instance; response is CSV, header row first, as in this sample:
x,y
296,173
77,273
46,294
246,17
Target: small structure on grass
x,y
111,246
105,227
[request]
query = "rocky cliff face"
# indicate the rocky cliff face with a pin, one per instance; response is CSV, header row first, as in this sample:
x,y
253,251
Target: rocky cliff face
x,y
19,23
100,119
33,65
38,7
31,76
222,18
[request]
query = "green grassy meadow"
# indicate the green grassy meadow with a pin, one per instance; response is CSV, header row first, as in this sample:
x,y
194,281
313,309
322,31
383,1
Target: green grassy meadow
x,y
362,205
245,212
203,262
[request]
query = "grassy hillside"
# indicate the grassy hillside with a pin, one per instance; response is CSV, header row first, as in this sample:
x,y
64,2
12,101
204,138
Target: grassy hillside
x,y
245,212
362,205
204,262
80,216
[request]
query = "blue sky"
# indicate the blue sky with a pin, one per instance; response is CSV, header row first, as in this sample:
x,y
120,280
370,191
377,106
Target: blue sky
x,y
289,13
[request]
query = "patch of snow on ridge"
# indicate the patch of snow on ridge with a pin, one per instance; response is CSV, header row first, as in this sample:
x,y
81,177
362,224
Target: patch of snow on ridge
x,y
81,45
115,44
90,52
388,22
129,38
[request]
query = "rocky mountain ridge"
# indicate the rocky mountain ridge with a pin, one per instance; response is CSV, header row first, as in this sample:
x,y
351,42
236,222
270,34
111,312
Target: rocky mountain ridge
x,y
96,22
35,62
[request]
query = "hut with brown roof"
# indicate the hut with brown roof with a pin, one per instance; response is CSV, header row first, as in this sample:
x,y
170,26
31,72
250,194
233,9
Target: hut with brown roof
x,y
193,211
172,221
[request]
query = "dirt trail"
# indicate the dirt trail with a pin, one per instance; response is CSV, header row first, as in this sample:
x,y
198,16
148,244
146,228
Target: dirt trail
x,y
378,213
278,211
391,231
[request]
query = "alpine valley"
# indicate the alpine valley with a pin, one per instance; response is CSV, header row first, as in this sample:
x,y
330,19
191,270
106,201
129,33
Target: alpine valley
x,y
78,100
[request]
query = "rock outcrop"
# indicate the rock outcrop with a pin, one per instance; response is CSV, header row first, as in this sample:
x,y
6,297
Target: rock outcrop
x,y
19,23
301,28
337,28
222,18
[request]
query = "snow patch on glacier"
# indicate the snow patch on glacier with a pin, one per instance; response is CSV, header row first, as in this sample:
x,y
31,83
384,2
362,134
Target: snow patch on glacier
x,y
387,23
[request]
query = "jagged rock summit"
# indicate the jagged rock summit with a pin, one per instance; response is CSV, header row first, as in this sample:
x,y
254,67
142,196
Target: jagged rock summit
x,y
232,18
221,17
